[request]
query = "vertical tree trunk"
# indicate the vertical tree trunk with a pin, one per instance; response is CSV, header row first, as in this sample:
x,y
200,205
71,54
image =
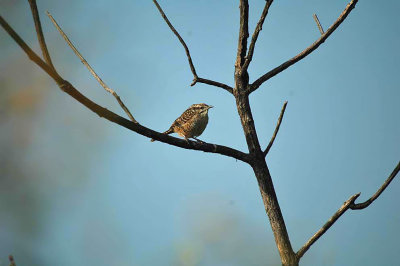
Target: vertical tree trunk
x,y
288,257
271,205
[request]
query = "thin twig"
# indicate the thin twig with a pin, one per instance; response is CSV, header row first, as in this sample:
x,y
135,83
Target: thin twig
x,y
327,225
307,51
113,117
257,30
276,129
365,204
39,33
321,30
192,68
12,261
83,60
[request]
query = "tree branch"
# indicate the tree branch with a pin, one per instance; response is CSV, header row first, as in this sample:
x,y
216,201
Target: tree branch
x,y
243,34
307,51
327,225
39,33
213,83
257,30
91,70
365,204
103,112
271,142
321,30
349,204
192,68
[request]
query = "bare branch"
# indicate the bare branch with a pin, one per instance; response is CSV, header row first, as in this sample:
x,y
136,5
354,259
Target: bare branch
x,y
307,51
243,34
257,30
349,204
276,129
39,33
103,112
83,60
12,261
359,206
213,83
321,30
179,37
192,68
327,225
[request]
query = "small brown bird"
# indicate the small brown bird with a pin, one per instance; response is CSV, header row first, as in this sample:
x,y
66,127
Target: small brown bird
x,y
191,123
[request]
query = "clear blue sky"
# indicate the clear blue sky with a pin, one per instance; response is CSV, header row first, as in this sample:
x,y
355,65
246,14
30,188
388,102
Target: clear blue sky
x,y
78,190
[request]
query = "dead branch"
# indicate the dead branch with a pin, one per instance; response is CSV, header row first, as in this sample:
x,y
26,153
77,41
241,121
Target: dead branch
x,y
196,78
327,225
257,30
271,142
91,70
307,51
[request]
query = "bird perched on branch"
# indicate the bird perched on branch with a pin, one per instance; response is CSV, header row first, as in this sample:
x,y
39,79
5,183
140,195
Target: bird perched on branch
x,y
191,123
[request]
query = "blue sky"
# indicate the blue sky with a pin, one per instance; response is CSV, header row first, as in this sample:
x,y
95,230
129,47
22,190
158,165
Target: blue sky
x,y
87,192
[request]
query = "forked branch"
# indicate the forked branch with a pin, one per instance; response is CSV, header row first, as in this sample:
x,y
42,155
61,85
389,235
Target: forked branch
x,y
278,125
103,112
196,78
39,32
307,51
349,204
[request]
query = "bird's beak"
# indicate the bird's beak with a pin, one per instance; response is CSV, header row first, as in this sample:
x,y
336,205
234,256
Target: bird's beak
x,y
210,106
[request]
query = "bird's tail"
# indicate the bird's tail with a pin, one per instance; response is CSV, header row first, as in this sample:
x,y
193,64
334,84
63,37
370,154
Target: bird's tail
x,y
169,131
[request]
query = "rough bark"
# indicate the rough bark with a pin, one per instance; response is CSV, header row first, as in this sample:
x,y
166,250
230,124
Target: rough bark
x,y
259,165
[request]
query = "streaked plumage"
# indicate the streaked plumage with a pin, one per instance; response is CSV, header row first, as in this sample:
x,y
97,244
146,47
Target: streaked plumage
x,y
192,122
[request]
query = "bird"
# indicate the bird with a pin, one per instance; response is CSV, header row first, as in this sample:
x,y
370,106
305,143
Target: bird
x,y
191,123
